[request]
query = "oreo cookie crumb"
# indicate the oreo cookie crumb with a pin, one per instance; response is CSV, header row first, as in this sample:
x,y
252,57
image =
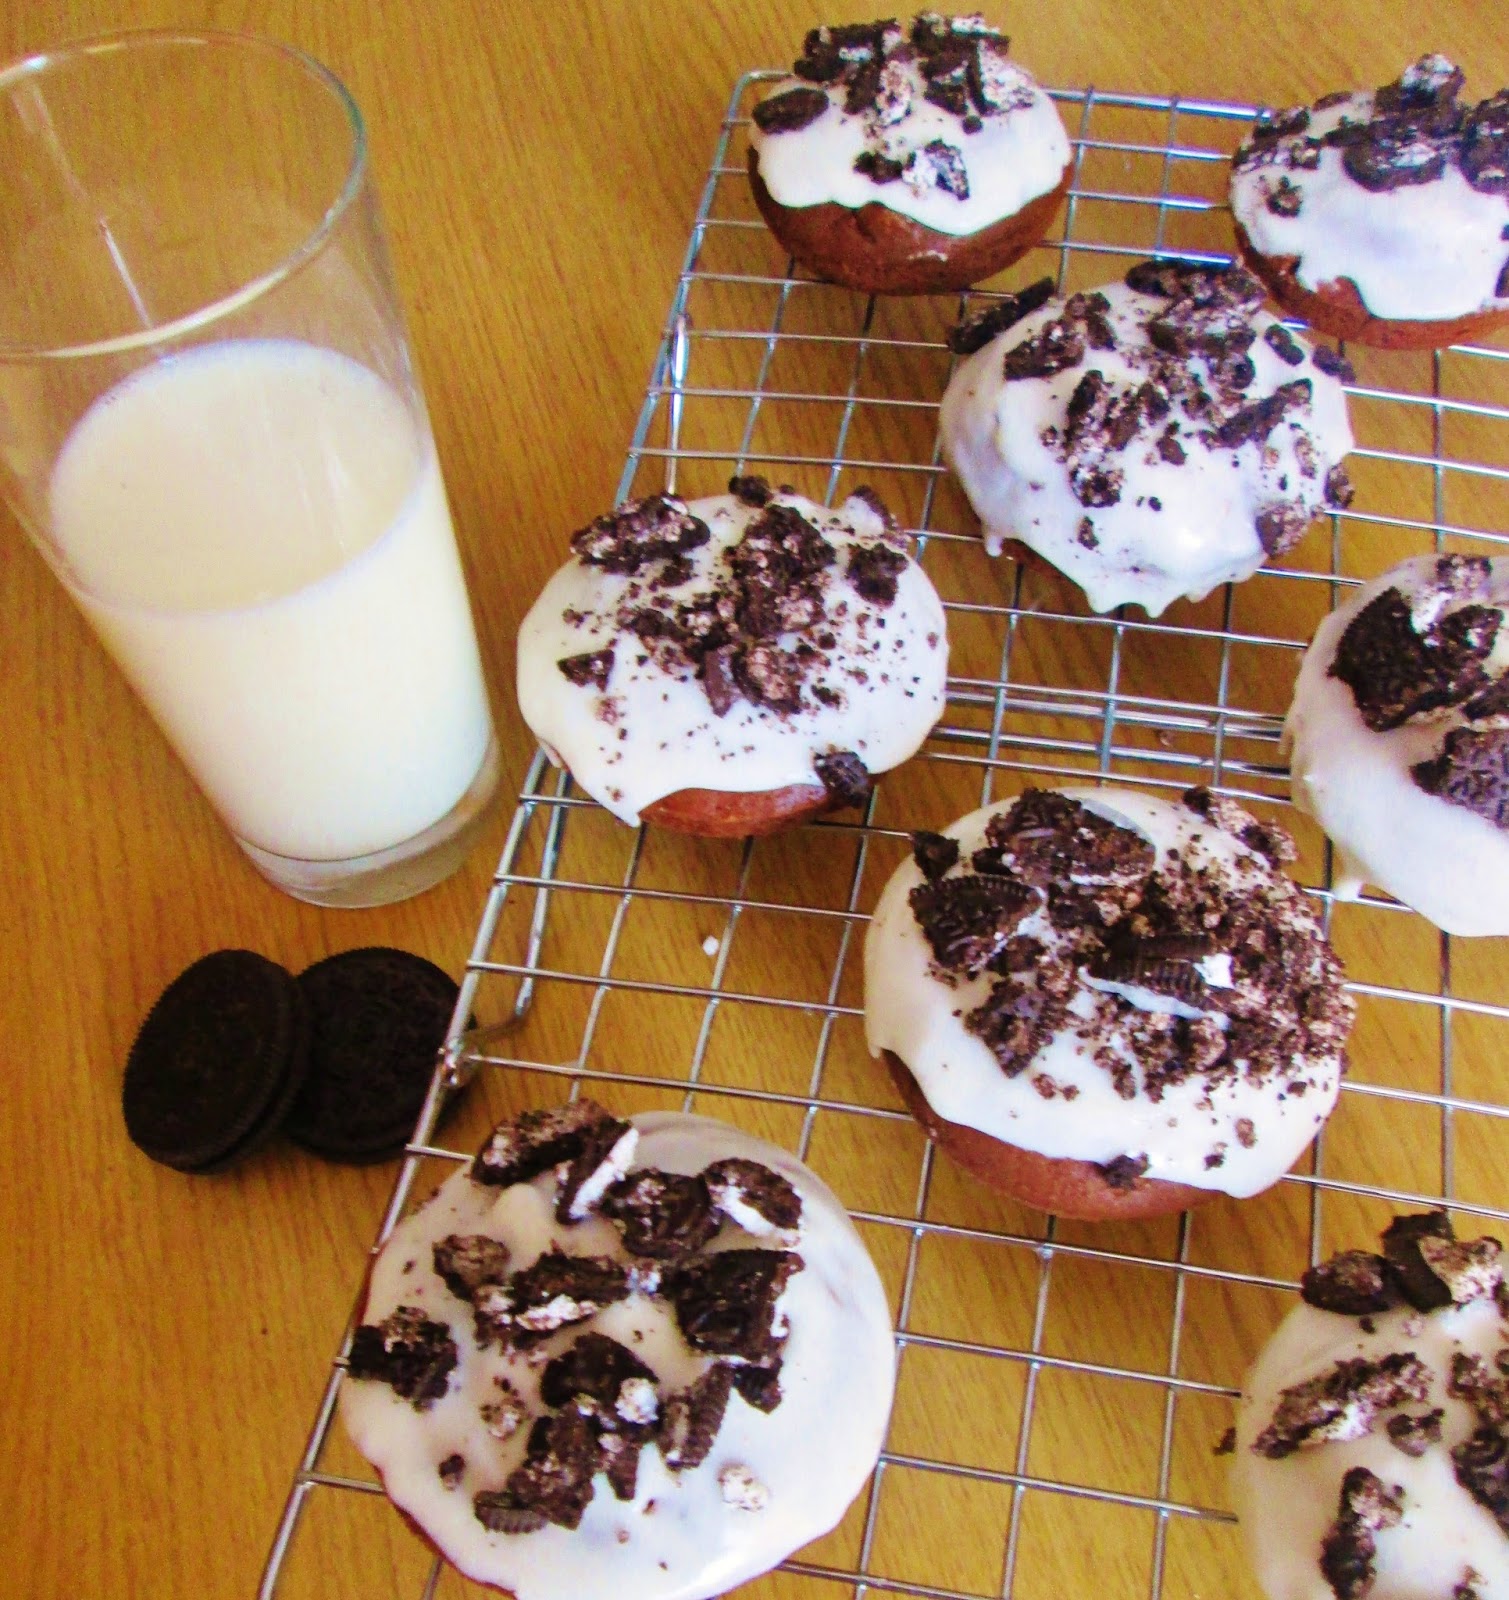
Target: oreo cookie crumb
x,y
844,777
407,1351
788,112
378,1018
692,1417
1123,1172
1366,1506
977,329
725,1302
661,1214
934,853
1355,1283
1472,771
1414,1435
590,669
758,1200
464,1263
1343,1403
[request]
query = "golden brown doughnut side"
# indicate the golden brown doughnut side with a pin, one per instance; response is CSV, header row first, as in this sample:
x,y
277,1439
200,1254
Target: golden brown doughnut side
x,y
719,814
878,251
1065,1187
1336,308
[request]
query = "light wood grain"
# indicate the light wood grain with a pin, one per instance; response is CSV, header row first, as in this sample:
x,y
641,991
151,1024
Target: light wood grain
x,y
166,1339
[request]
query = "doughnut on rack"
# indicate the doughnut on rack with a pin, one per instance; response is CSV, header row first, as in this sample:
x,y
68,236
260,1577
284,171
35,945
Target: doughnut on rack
x,y
1062,1388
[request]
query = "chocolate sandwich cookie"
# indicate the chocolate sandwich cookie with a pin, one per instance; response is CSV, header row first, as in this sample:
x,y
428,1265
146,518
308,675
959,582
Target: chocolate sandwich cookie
x,y
377,1019
217,1063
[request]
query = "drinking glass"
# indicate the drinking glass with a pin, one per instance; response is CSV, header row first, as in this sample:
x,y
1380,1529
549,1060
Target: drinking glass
x,y
211,427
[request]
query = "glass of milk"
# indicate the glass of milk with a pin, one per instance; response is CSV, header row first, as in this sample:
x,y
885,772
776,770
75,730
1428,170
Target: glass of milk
x,y
211,427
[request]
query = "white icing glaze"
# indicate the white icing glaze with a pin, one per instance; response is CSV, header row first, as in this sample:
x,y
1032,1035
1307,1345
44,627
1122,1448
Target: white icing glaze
x,y
1287,1506
1203,535
683,1536
1422,252
1013,158
911,1013
664,736
1440,859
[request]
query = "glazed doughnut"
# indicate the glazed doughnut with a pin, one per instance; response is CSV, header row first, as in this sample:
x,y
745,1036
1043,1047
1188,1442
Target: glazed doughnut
x,y
1382,217
1106,1004
908,162
734,664
1398,739
1151,439
1371,1442
647,1359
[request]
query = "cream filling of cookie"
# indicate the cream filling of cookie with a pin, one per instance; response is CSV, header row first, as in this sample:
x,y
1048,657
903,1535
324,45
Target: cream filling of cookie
x,y
1178,528
1443,860
1422,252
771,1482
1014,157
909,1011
1287,1506
652,732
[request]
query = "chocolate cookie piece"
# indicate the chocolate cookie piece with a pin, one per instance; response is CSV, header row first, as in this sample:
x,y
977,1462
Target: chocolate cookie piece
x,y
1472,770
661,1214
217,1063
409,1352
725,1303
378,1018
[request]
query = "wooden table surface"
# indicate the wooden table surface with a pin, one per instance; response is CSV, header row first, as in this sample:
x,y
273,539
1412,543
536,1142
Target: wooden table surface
x,y
166,1339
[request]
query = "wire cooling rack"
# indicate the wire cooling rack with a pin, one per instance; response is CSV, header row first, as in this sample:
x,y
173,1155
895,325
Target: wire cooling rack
x,y
1061,1388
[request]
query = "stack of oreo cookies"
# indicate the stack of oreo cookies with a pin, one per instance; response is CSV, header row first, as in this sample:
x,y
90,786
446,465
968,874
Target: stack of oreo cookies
x,y
237,1049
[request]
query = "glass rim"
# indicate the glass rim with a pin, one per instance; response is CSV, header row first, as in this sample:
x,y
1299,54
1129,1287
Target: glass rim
x,y
42,62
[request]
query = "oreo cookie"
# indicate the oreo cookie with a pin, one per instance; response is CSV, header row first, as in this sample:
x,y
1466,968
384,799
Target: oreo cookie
x,y
377,1019
217,1063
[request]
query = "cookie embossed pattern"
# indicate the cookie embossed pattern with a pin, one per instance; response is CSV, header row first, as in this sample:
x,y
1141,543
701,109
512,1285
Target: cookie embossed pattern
x,y
1060,1388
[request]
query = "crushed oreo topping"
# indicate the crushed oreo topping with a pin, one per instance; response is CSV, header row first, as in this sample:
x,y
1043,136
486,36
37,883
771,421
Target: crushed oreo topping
x,y
1414,130
1343,1403
657,528
464,1263
1331,362
1481,1463
554,1481
539,1140
1403,1246
1355,1283
844,777
751,490
407,1351
557,1290
976,330
1472,771
790,111
760,1201
959,64
967,921
873,570
1412,1434
661,1214
1284,345
592,1374
934,853
1122,1173
1366,1506
725,1302
691,1418
451,1470
590,669
1399,670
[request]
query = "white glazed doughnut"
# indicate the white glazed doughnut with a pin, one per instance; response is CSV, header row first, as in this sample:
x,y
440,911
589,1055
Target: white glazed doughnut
x,y
1371,1452
937,124
1151,439
1098,976
740,644
1382,216
1398,739
646,1360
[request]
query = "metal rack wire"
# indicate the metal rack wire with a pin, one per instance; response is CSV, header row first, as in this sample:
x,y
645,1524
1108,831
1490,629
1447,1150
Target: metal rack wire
x,y
1060,1387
